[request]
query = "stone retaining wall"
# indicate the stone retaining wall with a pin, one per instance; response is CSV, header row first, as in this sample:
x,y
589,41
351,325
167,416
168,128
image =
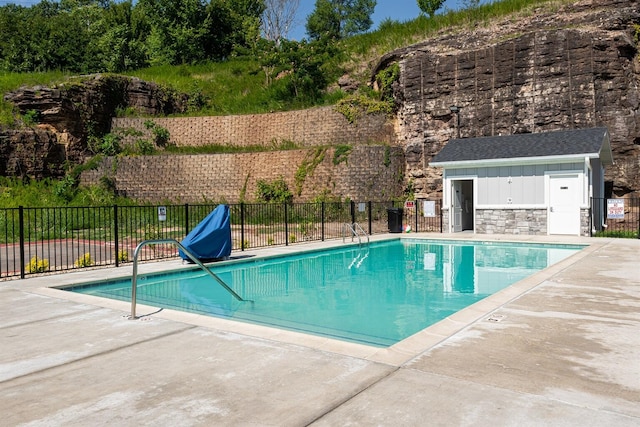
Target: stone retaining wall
x,y
367,173
312,127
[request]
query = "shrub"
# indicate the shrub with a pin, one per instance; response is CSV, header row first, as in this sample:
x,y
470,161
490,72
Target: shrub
x,y
273,192
37,265
84,261
144,146
123,256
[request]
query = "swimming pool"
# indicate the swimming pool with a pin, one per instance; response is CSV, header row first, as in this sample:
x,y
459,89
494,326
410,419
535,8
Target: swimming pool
x,y
375,294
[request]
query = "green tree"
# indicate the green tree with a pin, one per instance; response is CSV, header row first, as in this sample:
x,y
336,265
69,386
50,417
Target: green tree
x,y
120,46
301,66
336,19
430,7
177,32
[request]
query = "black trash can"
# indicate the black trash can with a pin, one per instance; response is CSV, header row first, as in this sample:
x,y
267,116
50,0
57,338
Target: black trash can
x,y
395,219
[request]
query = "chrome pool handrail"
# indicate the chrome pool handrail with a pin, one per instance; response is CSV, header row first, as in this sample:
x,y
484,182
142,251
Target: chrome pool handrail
x,y
134,276
355,229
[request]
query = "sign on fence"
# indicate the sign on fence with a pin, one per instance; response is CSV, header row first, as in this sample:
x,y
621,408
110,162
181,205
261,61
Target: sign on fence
x,y
429,209
615,208
409,204
162,213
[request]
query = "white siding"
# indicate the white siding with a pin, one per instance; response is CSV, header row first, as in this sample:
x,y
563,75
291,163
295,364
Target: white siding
x,y
519,185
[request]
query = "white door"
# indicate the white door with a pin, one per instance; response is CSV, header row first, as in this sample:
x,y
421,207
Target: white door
x,y
564,204
456,205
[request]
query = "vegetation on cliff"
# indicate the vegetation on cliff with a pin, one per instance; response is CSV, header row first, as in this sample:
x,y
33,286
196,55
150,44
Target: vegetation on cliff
x,y
247,74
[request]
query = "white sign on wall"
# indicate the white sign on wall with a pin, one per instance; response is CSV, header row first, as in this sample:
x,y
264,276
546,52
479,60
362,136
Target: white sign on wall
x,y
429,209
615,208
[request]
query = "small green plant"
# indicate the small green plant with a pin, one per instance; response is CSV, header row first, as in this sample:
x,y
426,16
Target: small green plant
x,y
292,238
110,145
84,261
387,156
386,79
108,184
355,105
123,256
37,265
31,117
341,154
66,188
270,241
161,134
307,167
145,147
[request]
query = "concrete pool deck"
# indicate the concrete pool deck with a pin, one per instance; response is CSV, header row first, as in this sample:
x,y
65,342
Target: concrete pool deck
x,y
559,348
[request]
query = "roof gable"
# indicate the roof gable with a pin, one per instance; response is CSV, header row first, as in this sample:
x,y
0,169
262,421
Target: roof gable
x,y
592,143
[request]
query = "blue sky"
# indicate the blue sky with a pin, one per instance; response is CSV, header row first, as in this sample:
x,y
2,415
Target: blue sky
x,y
398,10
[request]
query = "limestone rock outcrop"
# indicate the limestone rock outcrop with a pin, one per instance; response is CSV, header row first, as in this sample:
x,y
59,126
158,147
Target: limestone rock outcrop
x,y
85,106
33,153
575,67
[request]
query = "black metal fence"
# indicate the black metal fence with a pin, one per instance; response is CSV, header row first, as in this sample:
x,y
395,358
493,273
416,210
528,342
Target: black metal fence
x,y
40,240
615,217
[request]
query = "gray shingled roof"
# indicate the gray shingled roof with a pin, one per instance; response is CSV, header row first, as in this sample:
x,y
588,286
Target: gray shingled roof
x,y
592,142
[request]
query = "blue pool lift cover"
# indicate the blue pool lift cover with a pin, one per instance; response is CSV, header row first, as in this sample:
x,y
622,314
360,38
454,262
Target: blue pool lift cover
x,y
211,239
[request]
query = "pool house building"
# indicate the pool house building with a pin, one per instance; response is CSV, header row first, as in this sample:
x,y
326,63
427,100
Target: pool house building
x,y
536,183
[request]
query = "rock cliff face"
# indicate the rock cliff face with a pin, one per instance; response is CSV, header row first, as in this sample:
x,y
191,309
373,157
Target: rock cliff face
x,y
35,153
70,112
575,67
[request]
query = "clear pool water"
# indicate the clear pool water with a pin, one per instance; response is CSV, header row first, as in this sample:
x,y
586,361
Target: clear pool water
x,y
377,294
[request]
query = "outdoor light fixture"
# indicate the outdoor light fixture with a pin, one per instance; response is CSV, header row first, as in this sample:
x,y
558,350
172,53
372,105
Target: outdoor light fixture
x,y
456,110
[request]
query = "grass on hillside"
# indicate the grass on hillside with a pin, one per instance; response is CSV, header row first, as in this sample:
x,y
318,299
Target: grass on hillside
x,y
49,192
12,81
236,86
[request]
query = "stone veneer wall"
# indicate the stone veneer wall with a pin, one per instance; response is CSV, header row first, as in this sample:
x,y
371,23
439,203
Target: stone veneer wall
x,y
369,173
585,222
312,127
511,221
515,221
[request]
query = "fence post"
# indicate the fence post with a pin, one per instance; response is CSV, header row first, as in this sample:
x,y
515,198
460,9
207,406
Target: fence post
x,y
186,219
242,226
638,213
286,225
116,245
370,216
416,205
322,221
353,212
590,217
440,203
21,227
